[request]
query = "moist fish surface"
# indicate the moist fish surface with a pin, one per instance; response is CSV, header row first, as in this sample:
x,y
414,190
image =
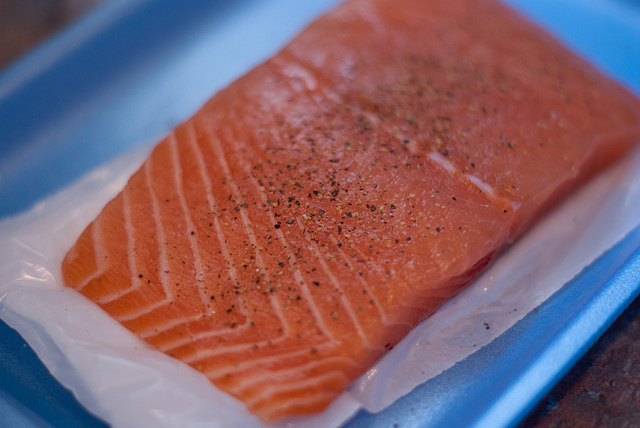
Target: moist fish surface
x,y
317,209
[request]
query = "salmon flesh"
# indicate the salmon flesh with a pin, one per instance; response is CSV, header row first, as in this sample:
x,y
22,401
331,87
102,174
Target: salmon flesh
x,y
316,210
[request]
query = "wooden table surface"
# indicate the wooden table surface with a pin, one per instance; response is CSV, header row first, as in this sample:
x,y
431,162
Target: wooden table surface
x,y
602,390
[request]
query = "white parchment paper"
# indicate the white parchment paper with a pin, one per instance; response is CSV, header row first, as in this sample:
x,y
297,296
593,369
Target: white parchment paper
x,y
128,384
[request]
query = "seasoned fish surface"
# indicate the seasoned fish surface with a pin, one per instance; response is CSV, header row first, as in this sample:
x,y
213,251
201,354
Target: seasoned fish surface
x,y
317,209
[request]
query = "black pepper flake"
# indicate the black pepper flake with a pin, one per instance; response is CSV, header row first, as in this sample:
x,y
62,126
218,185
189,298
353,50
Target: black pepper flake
x,y
277,225
408,238
334,193
192,232
349,214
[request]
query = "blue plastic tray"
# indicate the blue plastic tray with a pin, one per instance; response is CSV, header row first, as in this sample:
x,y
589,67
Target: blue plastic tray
x,y
131,70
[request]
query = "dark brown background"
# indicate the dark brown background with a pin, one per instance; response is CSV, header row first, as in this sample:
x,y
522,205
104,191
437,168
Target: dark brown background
x,y
602,390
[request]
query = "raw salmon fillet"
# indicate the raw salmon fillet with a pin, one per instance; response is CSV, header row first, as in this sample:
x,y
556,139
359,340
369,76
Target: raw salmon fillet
x,y
313,212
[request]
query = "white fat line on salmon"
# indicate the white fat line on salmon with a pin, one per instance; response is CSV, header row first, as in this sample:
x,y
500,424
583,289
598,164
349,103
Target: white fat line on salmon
x,y
243,348
190,226
175,344
292,68
439,160
269,376
222,159
163,255
222,239
383,315
131,257
297,274
151,333
318,397
99,254
486,189
236,367
345,302
297,385
202,169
